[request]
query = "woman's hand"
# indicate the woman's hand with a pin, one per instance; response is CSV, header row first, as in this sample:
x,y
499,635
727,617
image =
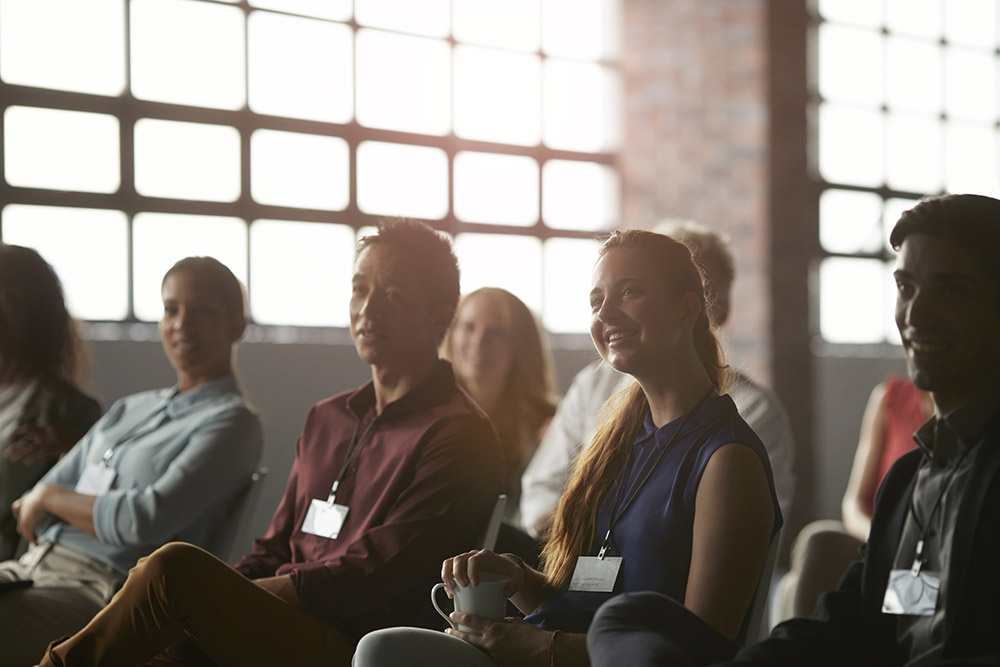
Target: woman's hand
x,y
467,569
28,510
511,642
31,444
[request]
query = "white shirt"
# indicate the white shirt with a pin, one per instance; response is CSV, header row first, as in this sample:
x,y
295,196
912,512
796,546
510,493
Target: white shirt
x,y
577,416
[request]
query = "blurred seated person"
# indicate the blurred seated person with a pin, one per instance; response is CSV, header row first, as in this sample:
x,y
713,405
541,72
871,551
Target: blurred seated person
x,y
498,352
673,495
388,479
824,549
577,415
42,412
160,465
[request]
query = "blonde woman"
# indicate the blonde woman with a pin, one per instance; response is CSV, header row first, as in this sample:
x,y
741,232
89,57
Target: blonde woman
x,y
498,353
674,495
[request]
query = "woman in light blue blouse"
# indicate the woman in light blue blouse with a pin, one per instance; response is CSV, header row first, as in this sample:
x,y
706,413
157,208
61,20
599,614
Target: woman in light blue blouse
x,y
160,465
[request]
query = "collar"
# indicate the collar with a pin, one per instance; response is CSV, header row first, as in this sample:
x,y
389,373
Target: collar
x,y
670,430
940,438
177,404
427,393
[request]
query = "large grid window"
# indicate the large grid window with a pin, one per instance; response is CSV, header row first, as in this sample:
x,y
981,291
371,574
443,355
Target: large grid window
x,y
905,106
270,133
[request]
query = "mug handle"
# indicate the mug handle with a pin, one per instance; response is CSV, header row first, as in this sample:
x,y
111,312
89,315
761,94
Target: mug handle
x,y
438,609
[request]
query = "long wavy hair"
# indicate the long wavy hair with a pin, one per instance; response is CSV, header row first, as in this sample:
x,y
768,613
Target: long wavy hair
x,y
527,398
598,465
37,334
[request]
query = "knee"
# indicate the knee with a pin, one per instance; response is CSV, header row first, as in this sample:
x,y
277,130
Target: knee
x,y
630,611
381,647
170,558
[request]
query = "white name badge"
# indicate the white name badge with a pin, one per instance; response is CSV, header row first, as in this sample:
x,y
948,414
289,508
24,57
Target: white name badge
x,y
595,575
96,479
911,594
324,519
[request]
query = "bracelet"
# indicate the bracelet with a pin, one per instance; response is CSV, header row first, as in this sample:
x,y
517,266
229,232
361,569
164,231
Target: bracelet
x,y
520,561
552,648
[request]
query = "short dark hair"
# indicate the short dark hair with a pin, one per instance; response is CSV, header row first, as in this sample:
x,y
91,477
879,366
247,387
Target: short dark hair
x,y
429,251
219,279
37,334
972,221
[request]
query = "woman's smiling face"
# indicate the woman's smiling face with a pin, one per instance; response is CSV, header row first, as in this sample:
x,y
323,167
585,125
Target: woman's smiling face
x,y
637,318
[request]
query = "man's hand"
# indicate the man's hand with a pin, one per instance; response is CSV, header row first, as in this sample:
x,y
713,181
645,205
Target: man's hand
x,y
281,586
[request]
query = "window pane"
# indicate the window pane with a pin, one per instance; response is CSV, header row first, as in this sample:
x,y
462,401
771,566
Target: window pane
x,y
74,45
850,222
970,84
852,300
160,239
850,65
569,264
497,96
513,24
423,17
300,170
581,106
187,160
188,53
404,83
86,247
395,179
300,272
300,68
583,29
913,75
921,18
338,10
857,12
850,145
495,188
501,260
970,159
579,195
971,22
61,150
914,153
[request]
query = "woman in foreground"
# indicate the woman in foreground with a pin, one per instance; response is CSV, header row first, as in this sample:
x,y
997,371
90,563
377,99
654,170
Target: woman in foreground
x,y
675,486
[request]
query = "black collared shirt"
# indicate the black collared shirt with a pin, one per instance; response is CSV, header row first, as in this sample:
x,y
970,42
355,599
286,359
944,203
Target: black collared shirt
x,y
950,445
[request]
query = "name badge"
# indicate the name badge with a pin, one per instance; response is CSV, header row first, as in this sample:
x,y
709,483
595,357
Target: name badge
x,y
96,479
324,519
595,575
911,593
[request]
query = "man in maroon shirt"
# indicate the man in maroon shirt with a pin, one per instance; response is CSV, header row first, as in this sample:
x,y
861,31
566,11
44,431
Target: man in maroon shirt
x,y
389,480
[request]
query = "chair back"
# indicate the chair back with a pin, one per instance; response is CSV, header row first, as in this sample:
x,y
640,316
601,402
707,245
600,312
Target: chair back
x,y
755,626
234,535
489,539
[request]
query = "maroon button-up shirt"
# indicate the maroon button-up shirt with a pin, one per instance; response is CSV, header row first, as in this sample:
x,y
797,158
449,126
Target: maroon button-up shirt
x,y
420,489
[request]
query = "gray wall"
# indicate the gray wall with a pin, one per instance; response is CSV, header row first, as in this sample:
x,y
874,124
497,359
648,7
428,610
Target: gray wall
x,y
281,380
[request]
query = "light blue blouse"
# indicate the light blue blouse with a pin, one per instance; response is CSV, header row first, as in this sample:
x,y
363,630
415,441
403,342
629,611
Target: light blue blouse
x,y
180,458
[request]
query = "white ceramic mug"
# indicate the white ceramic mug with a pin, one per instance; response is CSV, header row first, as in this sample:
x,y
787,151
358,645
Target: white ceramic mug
x,y
485,599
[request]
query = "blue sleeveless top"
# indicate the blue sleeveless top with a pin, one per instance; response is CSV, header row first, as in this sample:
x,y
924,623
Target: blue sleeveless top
x,y
654,535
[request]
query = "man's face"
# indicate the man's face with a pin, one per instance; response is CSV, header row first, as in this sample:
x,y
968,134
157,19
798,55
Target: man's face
x,y
393,324
947,314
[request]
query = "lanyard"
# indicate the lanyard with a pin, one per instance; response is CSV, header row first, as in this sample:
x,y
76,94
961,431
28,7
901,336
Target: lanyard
x,y
131,433
918,562
352,450
619,510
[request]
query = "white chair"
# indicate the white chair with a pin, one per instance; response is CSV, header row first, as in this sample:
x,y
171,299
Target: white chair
x,y
756,627
234,536
489,540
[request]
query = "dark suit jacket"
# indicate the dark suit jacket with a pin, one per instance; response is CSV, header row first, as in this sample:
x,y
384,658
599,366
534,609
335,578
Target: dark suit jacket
x,y
848,627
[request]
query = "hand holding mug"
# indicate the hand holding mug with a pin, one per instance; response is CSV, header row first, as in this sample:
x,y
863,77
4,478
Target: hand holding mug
x,y
468,569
